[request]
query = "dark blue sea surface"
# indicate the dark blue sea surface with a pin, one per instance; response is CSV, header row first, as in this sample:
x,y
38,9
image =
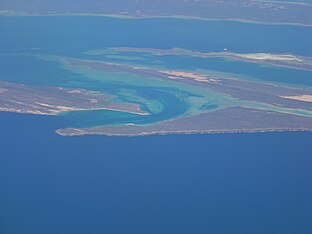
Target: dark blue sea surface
x,y
226,183
73,35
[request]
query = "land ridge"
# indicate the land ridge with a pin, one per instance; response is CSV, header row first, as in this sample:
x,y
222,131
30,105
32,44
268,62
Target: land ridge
x,y
297,13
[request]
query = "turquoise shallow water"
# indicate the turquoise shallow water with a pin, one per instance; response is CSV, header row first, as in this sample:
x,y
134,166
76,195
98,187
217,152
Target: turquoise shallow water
x,y
34,71
72,36
247,70
172,107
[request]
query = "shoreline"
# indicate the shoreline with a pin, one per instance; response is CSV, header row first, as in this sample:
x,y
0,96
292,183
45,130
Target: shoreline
x,y
165,133
60,113
5,13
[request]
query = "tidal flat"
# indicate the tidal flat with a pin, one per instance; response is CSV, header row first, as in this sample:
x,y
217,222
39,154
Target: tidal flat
x,y
134,81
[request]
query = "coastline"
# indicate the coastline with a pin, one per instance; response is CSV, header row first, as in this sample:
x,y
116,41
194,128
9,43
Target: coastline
x,y
240,131
131,17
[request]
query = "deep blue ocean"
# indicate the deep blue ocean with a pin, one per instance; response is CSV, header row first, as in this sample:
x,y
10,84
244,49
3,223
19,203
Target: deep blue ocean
x,y
226,183
175,184
64,35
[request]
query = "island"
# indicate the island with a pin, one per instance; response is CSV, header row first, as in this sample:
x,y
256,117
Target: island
x,y
133,77
264,11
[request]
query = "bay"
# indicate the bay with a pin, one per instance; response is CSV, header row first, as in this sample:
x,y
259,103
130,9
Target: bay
x,y
226,183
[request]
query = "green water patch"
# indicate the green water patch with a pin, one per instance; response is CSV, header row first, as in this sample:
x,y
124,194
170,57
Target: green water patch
x,y
193,95
197,99
264,106
172,107
246,70
151,105
163,99
71,36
